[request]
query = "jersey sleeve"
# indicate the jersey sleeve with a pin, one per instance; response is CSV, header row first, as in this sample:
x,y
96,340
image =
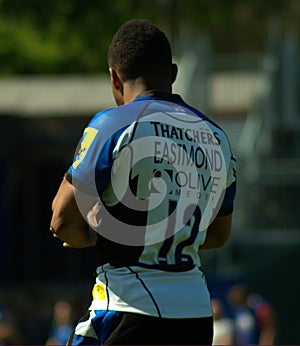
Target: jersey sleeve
x,y
230,191
91,167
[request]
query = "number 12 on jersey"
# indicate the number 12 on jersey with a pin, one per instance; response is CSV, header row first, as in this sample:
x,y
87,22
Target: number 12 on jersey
x,y
184,250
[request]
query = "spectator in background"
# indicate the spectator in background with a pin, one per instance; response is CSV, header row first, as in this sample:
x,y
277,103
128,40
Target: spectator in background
x,y
9,335
6,332
266,318
62,324
246,327
223,325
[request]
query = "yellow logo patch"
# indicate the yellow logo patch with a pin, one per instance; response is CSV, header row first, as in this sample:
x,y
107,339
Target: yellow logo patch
x,y
99,292
89,135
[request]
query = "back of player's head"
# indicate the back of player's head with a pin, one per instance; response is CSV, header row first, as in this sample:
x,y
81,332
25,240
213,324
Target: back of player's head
x,y
140,49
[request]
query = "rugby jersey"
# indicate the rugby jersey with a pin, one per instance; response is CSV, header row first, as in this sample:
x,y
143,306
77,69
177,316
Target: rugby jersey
x,y
160,171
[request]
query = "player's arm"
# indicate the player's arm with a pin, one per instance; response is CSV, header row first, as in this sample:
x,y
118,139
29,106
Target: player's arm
x,y
67,222
218,232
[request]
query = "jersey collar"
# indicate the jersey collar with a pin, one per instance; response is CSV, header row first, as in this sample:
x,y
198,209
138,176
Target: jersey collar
x,y
159,95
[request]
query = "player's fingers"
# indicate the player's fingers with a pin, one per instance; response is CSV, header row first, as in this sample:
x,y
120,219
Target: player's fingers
x,y
53,232
68,245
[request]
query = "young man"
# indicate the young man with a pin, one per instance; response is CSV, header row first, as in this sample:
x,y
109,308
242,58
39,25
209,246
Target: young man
x,y
152,182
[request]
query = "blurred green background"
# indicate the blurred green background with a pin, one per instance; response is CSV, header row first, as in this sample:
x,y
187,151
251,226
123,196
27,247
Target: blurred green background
x,y
70,36
238,62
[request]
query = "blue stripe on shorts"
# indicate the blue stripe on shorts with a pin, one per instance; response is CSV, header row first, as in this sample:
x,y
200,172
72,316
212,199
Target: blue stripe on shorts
x,y
96,329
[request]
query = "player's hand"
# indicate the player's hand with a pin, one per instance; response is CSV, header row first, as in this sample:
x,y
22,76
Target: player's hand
x,y
91,240
92,216
79,239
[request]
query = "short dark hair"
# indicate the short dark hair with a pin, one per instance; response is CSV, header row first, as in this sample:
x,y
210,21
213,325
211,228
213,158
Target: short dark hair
x,y
140,49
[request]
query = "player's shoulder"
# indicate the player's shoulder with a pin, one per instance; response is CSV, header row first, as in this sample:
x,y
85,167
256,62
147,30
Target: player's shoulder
x,y
99,117
212,125
207,119
128,111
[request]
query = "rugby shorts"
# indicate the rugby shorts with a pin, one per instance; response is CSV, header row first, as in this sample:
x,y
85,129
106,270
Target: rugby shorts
x,y
107,327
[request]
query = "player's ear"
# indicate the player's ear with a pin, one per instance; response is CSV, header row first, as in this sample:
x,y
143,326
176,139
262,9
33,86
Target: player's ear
x,y
117,86
174,72
115,79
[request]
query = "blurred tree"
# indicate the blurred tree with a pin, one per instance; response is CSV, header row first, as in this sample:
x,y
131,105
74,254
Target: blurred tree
x,y
72,36
58,36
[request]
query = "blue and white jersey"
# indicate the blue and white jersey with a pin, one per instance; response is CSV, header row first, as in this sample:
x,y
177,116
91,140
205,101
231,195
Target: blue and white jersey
x,y
160,172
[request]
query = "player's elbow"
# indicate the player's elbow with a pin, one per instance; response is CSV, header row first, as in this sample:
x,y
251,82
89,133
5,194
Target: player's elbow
x,y
221,239
218,233
57,222
60,218
214,241
222,233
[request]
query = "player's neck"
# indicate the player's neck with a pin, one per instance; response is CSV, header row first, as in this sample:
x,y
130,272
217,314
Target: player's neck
x,y
131,92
